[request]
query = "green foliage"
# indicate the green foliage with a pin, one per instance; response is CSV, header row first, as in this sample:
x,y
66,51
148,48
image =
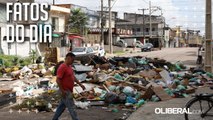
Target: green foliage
x,y
78,21
9,60
33,55
12,60
25,61
15,61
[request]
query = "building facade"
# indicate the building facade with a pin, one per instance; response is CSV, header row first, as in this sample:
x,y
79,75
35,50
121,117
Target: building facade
x,y
15,48
141,31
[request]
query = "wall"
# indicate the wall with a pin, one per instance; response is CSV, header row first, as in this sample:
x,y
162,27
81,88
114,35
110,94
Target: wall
x,y
20,49
135,22
61,20
92,38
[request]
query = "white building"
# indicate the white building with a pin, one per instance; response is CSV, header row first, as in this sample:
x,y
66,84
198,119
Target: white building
x,y
20,49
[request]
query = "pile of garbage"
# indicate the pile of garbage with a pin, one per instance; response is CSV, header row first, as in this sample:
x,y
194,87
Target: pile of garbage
x,y
127,81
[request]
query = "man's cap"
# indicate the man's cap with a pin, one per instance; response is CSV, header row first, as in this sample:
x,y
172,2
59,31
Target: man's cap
x,y
70,54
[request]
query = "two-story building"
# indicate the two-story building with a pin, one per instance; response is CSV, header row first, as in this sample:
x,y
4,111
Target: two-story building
x,y
93,23
142,31
58,18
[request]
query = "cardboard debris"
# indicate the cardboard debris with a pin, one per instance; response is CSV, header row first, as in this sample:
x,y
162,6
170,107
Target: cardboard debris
x,y
159,91
82,68
81,77
148,93
150,74
190,90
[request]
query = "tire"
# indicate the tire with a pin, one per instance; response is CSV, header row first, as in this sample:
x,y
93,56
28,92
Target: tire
x,y
199,105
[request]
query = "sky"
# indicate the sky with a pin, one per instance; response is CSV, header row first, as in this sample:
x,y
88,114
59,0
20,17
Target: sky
x,y
189,14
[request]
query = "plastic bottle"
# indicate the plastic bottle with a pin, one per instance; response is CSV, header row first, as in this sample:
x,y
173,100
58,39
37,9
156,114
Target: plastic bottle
x,y
140,102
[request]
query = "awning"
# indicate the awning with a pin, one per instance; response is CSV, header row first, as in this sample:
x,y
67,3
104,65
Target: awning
x,y
55,35
75,36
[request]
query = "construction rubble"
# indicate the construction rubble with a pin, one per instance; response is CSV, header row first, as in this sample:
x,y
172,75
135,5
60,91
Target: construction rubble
x,y
128,82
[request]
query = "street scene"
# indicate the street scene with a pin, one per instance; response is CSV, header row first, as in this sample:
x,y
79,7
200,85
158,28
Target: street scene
x,y
106,60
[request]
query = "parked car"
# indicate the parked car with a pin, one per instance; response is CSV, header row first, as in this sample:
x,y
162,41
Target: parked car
x,y
121,43
99,50
83,54
139,44
80,51
147,47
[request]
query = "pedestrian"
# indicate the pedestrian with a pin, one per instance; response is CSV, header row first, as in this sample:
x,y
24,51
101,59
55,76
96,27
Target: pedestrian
x,y
65,80
134,45
199,56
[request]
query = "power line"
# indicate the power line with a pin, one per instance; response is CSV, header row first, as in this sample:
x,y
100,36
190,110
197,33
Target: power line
x,y
146,2
114,3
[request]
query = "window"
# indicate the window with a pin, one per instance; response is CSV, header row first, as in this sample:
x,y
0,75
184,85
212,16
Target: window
x,y
133,29
89,50
79,50
153,29
55,24
147,29
138,29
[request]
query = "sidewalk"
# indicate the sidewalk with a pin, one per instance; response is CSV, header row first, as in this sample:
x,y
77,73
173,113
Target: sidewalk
x,y
147,112
122,53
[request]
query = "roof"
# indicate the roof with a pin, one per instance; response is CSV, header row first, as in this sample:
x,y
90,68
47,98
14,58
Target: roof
x,y
60,9
75,36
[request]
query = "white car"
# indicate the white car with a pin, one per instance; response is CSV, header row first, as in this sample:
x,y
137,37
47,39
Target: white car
x,y
78,51
139,44
99,50
121,43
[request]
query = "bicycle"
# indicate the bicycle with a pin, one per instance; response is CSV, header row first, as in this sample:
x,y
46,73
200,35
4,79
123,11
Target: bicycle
x,y
200,107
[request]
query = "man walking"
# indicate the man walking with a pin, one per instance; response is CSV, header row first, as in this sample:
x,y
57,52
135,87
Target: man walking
x,y
65,81
199,56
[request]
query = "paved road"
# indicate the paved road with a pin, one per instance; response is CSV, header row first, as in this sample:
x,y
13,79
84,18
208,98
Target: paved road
x,y
186,55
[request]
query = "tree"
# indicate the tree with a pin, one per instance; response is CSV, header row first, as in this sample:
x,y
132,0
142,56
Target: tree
x,y
78,21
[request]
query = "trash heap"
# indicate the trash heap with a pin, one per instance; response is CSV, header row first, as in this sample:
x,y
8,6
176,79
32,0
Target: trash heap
x,y
128,82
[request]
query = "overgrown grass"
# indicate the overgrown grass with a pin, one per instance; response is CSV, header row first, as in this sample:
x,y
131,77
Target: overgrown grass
x,y
119,52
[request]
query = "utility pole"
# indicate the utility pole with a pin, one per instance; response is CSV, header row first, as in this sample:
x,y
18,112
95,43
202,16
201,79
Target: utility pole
x,y
150,20
143,23
53,2
178,35
102,25
162,41
150,17
110,27
208,41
